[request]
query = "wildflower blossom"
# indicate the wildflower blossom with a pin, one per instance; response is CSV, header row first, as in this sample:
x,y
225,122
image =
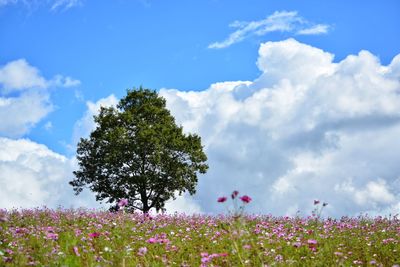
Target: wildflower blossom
x,y
245,199
234,194
151,240
52,236
312,242
94,234
3,218
142,251
76,251
221,199
122,203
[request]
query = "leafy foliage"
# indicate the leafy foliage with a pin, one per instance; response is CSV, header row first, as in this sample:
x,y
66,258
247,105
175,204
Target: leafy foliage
x,y
137,152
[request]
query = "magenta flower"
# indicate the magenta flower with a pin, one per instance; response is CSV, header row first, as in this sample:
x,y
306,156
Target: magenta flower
x,y
3,218
312,242
221,199
76,251
122,202
142,251
152,240
52,236
234,194
94,235
297,244
245,199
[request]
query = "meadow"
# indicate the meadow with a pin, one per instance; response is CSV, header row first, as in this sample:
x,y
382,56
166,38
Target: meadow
x,y
80,237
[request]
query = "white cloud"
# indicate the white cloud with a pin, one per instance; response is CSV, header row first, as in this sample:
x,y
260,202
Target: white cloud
x,y
307,128
53,5
279,21
19,114
24,98
316,29
61,81
183,204
65,4
84,126
31,175
48,126
19,75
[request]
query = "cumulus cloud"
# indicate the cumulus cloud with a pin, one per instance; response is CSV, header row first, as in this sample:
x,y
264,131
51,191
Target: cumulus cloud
x,y
31,175
24,95
279,21
20,114
183,204
19,75
85,125
307,128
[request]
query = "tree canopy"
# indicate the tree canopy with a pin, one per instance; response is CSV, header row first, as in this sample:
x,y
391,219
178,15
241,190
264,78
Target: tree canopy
x,y
137,152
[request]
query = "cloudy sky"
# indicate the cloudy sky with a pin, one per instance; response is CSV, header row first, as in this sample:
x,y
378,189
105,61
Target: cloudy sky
x,y
294,100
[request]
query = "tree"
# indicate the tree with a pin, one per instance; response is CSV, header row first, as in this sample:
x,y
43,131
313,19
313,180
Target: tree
x,y
137,152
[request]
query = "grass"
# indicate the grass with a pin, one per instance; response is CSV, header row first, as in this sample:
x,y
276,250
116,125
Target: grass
x,y
45,237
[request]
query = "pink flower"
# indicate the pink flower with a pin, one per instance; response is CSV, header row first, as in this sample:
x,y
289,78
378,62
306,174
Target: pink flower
x,y
151,240
297,244
122,202
142,251
316,202
94,234
312,244
245,199
221,199
3,218
76,251
312,241
52,236
234,194
205,259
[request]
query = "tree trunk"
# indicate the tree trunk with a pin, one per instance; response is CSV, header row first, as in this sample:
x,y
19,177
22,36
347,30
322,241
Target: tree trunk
x,y
146,207
145,203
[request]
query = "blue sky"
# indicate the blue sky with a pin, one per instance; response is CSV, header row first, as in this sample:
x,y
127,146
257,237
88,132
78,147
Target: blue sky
x,y
85,51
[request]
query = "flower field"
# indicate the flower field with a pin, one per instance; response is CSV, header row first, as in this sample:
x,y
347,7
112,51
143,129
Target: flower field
x,y
44,237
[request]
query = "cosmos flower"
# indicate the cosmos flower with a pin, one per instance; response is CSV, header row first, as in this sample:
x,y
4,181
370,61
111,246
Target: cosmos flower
x,y
142,251
245,199
122,202
221,199
234,194
94,234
